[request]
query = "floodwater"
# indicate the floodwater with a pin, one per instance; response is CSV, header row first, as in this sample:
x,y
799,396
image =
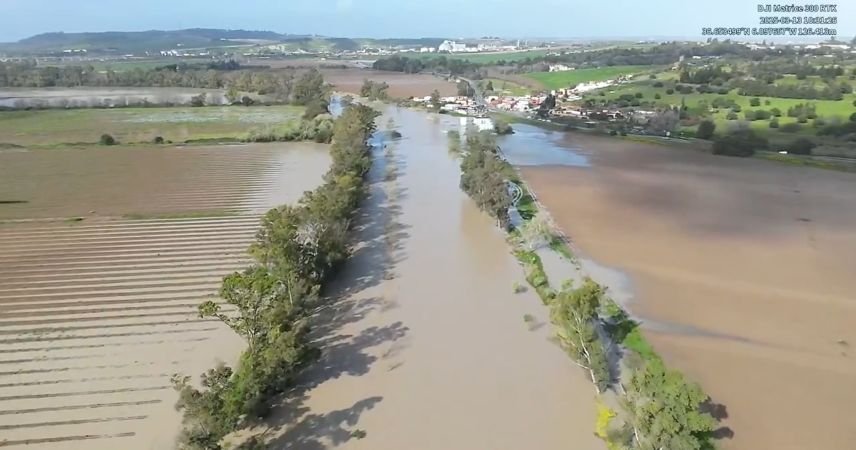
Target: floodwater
x,y
83,97
97,314
426,346
742,271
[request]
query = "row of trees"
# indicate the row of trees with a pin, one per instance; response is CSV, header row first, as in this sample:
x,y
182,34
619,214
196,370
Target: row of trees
x,y
831,91
398,63
295,252
482,176
282,86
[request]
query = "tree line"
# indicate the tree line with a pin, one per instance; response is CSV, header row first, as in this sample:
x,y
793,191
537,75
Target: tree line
x,y
482,176
296,251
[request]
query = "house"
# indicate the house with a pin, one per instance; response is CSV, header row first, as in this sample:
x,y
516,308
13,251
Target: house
x,y
452,47
560,68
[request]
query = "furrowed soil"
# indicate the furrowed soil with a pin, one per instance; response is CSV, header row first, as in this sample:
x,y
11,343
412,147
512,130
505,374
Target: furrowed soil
x,y
97,314
743,272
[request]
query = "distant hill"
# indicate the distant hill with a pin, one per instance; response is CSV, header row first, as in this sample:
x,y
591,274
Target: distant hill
x,y
139,42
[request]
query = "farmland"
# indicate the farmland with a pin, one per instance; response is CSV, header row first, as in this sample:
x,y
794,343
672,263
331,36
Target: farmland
x,y
134,125
825,109
104,256
485,58
558,80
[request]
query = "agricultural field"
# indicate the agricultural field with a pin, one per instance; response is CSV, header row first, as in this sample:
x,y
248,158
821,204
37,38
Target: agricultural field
x,y
104,256
97,97
508,87
135,125
401,85
570,78
485,58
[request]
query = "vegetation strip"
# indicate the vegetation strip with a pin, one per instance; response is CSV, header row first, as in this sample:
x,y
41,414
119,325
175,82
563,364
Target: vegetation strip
x,y
296,252
660,408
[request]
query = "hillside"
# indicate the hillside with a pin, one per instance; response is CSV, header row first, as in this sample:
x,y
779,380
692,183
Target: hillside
x,y
139,42
121,42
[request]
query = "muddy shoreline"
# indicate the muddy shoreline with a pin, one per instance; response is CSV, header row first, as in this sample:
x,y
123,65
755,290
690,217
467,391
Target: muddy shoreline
x,y
739,269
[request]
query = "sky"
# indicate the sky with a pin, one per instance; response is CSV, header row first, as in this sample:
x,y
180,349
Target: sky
x,y
396,18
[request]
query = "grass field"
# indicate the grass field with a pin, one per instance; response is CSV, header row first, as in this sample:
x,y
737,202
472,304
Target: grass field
x,y
508,87
134,125
826,109
483,58
558,80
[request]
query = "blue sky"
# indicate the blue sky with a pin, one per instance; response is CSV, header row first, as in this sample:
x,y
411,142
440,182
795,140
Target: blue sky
x,y
394,18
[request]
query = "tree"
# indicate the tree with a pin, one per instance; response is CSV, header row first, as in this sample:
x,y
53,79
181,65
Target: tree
x,y
664,121
464,89
435,99
575,313
233,95
705,129
742,142
198,100
489,86
501,127
315,108
774,123
853,117
247,101
310,86
664,410
755,101
255,293
800,146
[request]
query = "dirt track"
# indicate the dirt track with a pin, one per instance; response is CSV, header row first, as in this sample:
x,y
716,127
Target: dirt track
x,y
95,316
743,267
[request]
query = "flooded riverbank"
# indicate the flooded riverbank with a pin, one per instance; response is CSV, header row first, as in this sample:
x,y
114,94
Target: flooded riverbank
x,y
742,269
428,347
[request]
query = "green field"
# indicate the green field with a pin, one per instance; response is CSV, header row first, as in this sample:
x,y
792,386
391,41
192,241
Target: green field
x,y
483,58
559,80
508,87
136,125
826,109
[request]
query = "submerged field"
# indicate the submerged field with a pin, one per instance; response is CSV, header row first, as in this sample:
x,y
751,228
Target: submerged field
x,y
742,273
104,256
401,85
135,125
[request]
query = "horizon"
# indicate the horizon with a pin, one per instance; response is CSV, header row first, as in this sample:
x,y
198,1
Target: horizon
x,y
559,19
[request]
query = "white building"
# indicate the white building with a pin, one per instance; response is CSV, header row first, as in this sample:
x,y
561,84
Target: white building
x,y
452,47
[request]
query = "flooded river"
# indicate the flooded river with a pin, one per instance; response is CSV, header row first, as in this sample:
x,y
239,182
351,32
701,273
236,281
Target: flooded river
x,y
741,269
428,347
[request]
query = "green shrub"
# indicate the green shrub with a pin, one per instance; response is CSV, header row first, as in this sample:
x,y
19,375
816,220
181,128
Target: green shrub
x,y
774,123
158,140
705,129
800,146
742,143
107,139
790,127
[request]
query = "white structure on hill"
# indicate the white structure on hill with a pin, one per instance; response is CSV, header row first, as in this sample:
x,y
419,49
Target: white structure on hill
x,y
452,47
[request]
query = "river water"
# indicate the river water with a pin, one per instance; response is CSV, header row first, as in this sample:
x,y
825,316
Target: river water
x,y
427,346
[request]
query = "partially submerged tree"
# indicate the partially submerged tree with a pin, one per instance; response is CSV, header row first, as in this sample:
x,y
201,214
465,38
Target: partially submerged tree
x,y
575,313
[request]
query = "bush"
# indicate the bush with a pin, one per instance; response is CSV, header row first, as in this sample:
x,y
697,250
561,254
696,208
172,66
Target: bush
x,y
853,117
790,127
801,146
755,101
774,123
158,140
638,95
657,96
106,139
670,91
731,115
742,143
705,129
749,115
502,127
658,84
776,112
314,109
736,108
247,101
802,119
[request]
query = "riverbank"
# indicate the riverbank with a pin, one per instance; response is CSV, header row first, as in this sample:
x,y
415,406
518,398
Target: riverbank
x,y
428,346
739,268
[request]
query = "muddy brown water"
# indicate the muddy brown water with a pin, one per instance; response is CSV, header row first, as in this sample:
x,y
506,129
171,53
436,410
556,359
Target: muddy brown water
x,y
427,346
742,269
97,315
